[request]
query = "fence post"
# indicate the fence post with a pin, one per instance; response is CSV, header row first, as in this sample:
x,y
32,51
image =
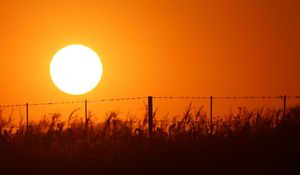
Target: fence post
x,y
284,105
150,115
86,118
27,122
211,114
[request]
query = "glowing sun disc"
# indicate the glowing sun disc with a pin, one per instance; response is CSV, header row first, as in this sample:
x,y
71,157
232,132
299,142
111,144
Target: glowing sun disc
x,y
76,69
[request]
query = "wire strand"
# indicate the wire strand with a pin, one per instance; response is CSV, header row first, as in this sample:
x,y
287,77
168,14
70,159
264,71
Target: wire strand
x,y
155,97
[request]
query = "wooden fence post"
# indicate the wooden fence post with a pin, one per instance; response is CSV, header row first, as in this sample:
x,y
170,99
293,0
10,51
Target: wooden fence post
x,y
27,117
284,105
86,118
150,116
211,115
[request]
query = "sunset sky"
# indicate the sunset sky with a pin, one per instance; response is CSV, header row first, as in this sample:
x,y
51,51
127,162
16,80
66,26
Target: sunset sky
x,y
159,48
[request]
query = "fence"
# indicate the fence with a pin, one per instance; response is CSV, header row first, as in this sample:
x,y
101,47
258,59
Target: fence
x,y
150,105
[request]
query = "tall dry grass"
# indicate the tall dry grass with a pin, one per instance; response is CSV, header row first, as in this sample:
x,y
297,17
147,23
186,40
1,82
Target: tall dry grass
x,y
250,141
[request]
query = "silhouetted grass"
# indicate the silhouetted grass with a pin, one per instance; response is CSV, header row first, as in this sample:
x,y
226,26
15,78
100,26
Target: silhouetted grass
x,y
248,142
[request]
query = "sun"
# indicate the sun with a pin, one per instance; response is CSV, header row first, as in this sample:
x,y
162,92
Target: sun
x,y
76,69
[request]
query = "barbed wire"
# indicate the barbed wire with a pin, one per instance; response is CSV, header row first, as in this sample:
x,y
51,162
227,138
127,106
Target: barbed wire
x,y
224,97
14,105
292,96
155,97
180,97
55,103
251,97
118,99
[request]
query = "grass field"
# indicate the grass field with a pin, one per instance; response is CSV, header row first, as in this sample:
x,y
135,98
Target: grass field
x,y
248,142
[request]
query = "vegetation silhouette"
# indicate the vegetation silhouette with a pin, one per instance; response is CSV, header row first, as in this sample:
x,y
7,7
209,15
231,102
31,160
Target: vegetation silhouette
x,y
260,141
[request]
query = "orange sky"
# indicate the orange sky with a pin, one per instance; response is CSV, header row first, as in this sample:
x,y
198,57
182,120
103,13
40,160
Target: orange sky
x,y
160,48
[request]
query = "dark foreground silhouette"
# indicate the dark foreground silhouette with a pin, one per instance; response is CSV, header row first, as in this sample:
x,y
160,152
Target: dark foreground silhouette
x,y
250,142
